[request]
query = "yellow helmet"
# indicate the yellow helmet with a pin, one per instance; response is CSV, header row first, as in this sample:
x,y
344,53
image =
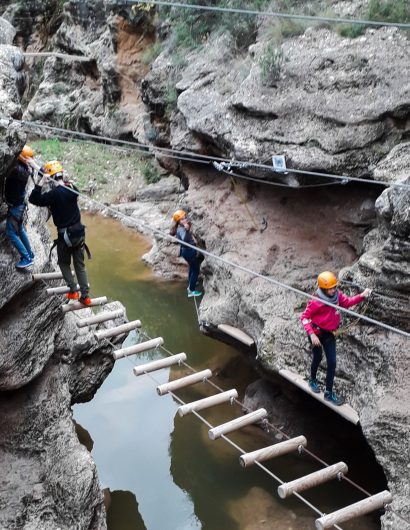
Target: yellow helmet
x,y
178,215
326,280
27,152
53,169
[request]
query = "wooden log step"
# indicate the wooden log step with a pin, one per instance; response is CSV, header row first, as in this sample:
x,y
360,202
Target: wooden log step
x,y
66,56
236,424
158,365
59,290
237,334
375,502
183,382
207,402
118,330
76,306
102,317
138,348
312,480
47,276
272,451
346,411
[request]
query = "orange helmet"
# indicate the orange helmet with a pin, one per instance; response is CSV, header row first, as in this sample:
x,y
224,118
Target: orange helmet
x,y
178,215
53,169
27,152
326,280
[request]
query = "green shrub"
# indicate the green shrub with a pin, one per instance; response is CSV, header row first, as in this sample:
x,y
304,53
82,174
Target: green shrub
x,y
149,172
152,52
351,31
271,63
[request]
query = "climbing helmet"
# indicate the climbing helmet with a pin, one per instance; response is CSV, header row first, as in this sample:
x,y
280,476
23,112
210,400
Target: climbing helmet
x,y
178,215
27,152
53,169
326,280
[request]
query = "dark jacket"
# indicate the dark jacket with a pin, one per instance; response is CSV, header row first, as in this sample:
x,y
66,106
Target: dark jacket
x,y
62,203
16,182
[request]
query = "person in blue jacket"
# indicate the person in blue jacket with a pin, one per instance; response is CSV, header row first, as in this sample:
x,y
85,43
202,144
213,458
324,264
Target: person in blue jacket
x,y
15,195
181,228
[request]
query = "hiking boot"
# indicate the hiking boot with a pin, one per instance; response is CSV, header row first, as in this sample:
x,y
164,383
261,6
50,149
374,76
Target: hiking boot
x,y
85,300
314,385
72,296
24,263
194,293
333,399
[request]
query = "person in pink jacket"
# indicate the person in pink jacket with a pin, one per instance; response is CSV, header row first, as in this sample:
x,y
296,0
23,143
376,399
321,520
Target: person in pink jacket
x,y
320,321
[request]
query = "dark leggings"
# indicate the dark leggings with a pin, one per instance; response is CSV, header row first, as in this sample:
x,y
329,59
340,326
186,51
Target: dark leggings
x,y
191,257
328,342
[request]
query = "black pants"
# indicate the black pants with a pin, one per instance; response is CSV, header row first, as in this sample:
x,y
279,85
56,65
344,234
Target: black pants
x,y
76,254
328,342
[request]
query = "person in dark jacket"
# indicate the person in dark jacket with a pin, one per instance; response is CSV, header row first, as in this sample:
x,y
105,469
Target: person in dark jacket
x,y
181,228
63,204
15,195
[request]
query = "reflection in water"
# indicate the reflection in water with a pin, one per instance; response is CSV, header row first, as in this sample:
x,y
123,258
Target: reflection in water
x,y
123,513
181,479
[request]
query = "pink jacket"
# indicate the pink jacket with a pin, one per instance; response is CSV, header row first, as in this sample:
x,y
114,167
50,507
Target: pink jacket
x,y
323,316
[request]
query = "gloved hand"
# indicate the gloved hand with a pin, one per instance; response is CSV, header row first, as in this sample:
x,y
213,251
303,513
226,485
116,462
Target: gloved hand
x,y
366,293
42,180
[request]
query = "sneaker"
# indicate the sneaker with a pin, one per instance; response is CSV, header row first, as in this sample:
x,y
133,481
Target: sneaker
x,y
24,263
72,296
332,398
85,300
31,255
314,385
194,293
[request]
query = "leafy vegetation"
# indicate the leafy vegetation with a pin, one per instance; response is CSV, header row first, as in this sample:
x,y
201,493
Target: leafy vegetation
x,y
152,52
271,63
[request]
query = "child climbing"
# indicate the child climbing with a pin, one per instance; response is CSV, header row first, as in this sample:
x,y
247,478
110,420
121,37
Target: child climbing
x,y
15,195
63,204
320,321
181,228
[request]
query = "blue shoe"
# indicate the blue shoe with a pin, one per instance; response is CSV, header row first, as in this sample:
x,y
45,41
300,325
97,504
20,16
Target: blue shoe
x,y
24,263
333,399
314,385
194,293
31,255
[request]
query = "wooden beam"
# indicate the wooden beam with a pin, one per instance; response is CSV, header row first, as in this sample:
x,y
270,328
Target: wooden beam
x,y
237,334
312,480
118,330
47,276
266,453
76,306
67,56
138,348
102,317
59,290
346,411
236,424
375,502
207,402
158,365
192,379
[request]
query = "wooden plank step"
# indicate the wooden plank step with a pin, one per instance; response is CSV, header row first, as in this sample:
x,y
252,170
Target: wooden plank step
x,y
47,276
312,480
158,365
76,306
59,290
375,502
138,348
102,317
118,330
238,423
237,334
272,451
346,411
69,57
207,402
182,382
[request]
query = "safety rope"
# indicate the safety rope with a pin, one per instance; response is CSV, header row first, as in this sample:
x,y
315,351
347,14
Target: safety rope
x,y
189,156
232,10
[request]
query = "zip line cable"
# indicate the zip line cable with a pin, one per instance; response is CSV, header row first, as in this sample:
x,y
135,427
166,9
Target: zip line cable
x,y
190,156
252,12
167,237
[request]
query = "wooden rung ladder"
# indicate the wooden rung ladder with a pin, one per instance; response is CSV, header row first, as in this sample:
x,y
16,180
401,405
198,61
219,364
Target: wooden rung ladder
x,y
200,404
158,365
60,290
118,330
272,451
238,423
138,348
48,276
375,502
312,480
102,317
76,306
183,382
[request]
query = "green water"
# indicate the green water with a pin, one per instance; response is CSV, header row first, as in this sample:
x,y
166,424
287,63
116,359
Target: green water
x,y
163,471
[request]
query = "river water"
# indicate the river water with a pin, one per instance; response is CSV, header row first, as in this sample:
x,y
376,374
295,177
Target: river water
x,y
163,471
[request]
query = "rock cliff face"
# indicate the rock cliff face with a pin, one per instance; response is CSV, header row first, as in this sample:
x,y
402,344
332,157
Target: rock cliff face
x,y
48,480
